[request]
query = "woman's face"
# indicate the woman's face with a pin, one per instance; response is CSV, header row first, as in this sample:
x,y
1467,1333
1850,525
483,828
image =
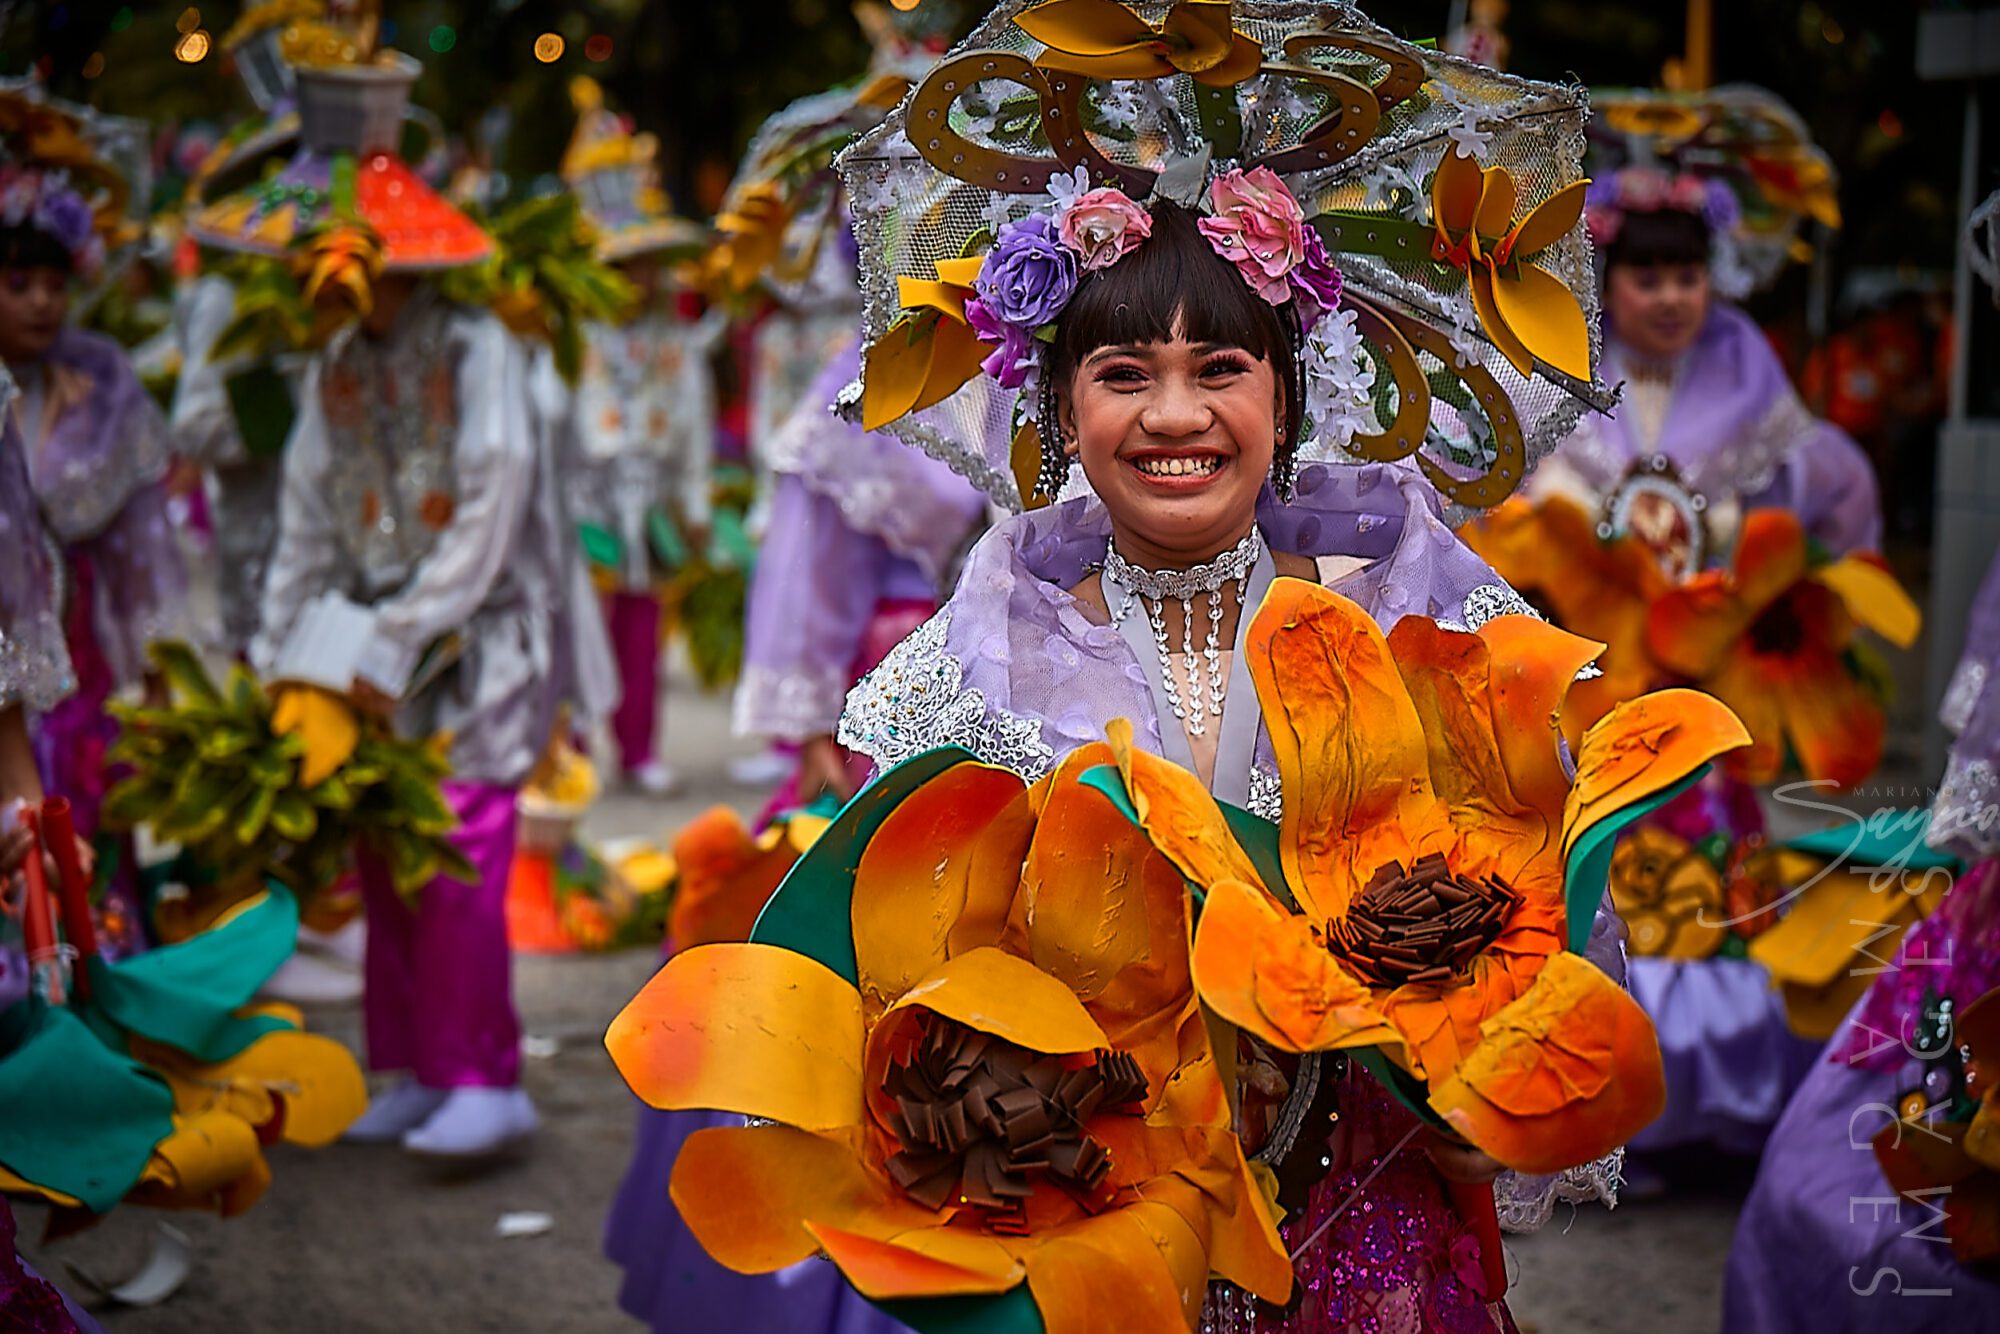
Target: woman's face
x,y
1657,309
1177,439
33,302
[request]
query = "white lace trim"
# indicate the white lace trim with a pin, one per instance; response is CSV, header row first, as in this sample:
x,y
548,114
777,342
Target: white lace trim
x,y
788,705
917,700
1965,817
1488,602
1267,794
1526,1202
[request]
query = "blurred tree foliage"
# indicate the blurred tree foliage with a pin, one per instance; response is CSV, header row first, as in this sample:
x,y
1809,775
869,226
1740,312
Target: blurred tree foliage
x,y
702,76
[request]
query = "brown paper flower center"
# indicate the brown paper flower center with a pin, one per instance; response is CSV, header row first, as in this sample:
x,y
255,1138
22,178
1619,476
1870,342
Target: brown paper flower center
x,y
1421,925
979,1119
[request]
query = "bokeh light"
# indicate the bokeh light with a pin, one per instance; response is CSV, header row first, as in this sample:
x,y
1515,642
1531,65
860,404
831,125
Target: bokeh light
x,y
598,47
192,48
189,20
122,19
443,38
549,47
93,66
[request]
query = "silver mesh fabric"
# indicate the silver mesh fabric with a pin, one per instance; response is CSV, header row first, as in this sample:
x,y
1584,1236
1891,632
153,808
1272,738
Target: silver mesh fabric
x,y
908,215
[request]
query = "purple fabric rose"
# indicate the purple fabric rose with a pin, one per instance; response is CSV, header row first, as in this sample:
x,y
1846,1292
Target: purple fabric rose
x,y
1316,281
1030,276
1026,282
62,213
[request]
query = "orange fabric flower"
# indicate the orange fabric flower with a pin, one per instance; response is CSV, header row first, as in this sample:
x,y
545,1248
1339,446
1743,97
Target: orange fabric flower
x,y
727,875
1428,820
1005,938
1769,638
1551,553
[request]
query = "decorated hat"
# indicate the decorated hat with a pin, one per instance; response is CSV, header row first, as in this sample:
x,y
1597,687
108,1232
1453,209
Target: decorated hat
x,y
58,174
613,173
1738,157
1422,215
350,119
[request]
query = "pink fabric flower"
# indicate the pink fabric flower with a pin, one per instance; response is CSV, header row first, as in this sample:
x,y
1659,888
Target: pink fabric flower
x,y
1259,228
1103,227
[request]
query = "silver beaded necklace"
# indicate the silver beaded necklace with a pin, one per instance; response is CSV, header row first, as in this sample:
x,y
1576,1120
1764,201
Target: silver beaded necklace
x,y
1153,588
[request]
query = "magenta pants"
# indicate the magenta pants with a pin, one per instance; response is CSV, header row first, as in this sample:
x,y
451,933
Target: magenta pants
x,y
439,998
633,620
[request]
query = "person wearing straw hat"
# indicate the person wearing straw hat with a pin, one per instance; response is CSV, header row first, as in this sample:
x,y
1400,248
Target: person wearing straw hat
x,y
419,571
641,421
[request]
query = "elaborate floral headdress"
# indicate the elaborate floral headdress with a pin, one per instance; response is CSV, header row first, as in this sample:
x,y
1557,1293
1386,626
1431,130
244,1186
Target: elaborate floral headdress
x,y
1736,157
1456,329
57,177
613,174
347,167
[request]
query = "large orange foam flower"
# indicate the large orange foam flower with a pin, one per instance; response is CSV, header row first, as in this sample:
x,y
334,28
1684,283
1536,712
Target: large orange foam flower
x,y
1551,553
970,1012
1428,823
1769,637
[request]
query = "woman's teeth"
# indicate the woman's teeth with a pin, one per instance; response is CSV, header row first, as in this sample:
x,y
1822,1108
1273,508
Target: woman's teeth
x,y
1199,466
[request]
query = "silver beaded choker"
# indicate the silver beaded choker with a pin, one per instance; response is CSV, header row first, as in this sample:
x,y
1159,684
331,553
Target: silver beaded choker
x,y
1154,587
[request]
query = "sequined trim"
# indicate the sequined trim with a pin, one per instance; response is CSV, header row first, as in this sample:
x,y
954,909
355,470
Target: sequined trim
x,y
789,705
1488,602
1965,818
917,700
1267,794
1968,683
1526,1202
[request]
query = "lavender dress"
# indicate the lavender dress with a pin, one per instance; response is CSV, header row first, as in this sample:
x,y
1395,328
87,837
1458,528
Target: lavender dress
x,y
1824,1245
1717,434
97,453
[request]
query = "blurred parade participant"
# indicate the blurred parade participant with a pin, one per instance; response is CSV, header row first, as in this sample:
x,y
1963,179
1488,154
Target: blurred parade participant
x,y
642,418
1876,1205
859,532
421,559
1711,466
34,674
96,448
231,413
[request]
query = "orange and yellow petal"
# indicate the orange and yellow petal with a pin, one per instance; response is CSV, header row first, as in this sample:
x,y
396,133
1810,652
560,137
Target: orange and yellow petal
x,y
1771,555
1693,628
1744,685
910,882
885,1269
754,1029
1642,748
1835,727
1260,968
1349,746
1874,598
1138,1267
1564,1075
1178,814
748,1192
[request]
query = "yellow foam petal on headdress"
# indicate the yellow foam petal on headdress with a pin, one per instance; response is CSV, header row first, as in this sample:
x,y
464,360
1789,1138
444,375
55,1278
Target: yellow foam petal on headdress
x,y
1487,305
910,371
1874,599
1549,221
1542,315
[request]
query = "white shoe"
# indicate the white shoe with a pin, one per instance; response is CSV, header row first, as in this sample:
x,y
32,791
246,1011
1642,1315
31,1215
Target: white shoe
x,y
313,979
765,769
475,1123
654,779
395,1113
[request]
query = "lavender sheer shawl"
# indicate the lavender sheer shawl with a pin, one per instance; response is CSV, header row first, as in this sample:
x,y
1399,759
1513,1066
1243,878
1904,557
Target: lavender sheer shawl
x,y
856,519
1965,817
98,458
1737,434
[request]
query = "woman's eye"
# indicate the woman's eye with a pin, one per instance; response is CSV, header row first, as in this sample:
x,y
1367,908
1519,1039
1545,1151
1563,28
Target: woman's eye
x,y
1222,366
1121,375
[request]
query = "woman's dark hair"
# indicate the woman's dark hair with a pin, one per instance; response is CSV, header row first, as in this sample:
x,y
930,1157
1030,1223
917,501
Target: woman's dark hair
x,y
1666,236
1175,282
27,247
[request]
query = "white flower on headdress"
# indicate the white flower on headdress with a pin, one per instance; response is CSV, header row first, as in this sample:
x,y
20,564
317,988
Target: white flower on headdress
x,y
999,211
1119,105
1066,189
873,193
1340,381
1467,138
1464,336
1388,181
